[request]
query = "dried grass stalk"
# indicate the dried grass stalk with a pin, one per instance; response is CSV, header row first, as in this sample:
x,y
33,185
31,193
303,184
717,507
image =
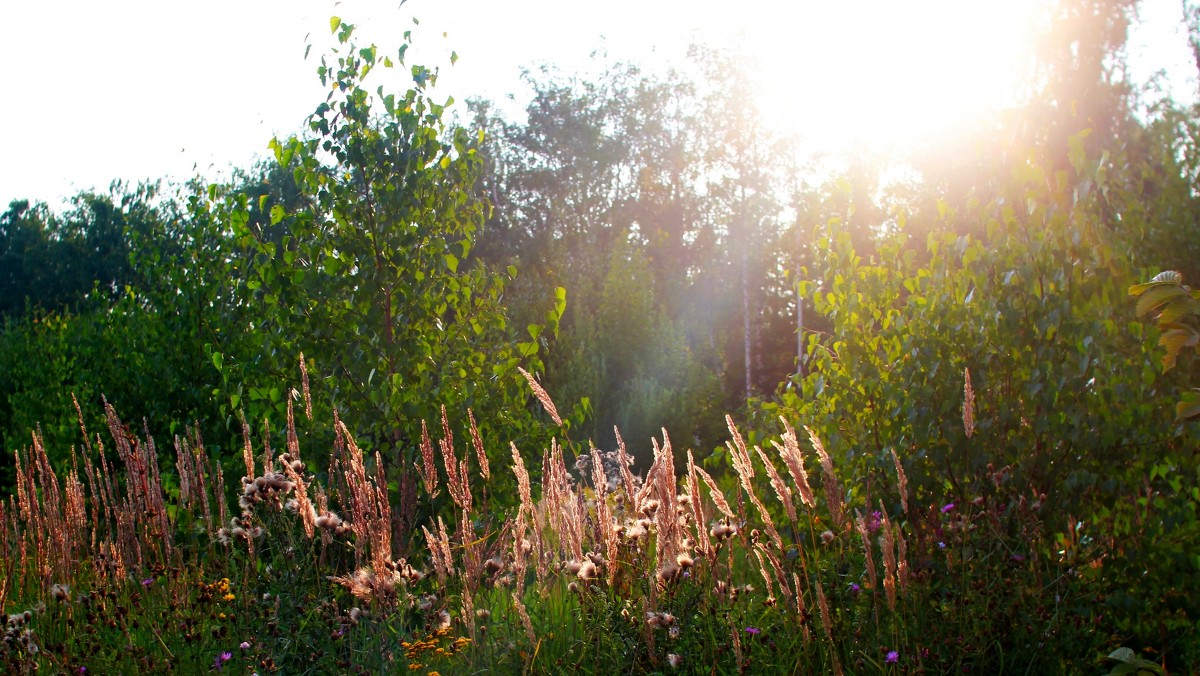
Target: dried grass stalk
x,y
794,460
833,491
902,481
427,468
477,442
304,385
968,404
542,396
745,471
861,524
717,496
781,490
702,537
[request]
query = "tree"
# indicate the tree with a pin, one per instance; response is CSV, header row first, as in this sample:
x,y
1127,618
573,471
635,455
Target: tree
x,y
372,276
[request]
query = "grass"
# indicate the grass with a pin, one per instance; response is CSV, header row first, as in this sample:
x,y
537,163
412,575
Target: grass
x,y
111,566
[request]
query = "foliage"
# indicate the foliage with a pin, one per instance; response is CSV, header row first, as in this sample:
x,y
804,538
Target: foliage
x,y
128,335
1176,309
591,573
1067,404
367,269
50,262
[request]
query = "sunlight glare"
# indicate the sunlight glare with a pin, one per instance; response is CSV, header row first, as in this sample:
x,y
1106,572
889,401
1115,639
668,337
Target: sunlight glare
x,y
891,73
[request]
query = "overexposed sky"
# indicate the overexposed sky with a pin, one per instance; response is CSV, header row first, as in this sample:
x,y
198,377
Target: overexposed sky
x,y
140,89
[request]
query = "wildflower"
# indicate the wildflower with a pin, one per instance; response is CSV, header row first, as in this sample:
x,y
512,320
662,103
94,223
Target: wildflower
x,y
147,582
941,545
660,620
494,565
854,588
61,591
673,632
892,657
669,572
222,658
674,660
874,521
827,536
245,645
229,597
721,531
947,507
753,631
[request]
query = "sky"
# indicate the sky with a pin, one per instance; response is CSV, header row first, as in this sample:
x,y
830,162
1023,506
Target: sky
x,y
140,89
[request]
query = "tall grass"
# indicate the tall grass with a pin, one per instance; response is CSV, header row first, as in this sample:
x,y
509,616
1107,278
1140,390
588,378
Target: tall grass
x,y
110,566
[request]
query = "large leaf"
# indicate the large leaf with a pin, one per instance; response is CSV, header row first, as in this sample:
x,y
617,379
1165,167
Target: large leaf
x,y
1177,337
1158,296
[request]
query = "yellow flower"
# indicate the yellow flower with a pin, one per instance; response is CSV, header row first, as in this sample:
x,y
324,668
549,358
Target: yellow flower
x,y
229,597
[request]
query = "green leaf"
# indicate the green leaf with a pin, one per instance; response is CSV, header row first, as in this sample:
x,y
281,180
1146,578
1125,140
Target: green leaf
x,y
452,262
334,22
1156,297
1175,339
1188,406
1177,309
218,360
277,214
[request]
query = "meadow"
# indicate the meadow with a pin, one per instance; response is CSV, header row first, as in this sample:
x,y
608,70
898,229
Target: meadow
x,y
119,566
906,419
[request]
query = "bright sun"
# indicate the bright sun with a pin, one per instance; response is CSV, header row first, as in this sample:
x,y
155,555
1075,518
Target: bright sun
x,y
889,72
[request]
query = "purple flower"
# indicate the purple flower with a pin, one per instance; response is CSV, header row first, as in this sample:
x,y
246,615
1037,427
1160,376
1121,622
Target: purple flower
x,y
874,520
893,657
222,659
941,545
1016,558
752,630
245,645
854,588
147,582
947,507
